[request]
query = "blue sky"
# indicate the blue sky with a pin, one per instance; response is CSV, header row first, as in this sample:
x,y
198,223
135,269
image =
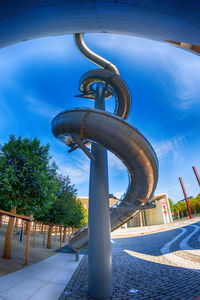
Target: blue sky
x,y
40,78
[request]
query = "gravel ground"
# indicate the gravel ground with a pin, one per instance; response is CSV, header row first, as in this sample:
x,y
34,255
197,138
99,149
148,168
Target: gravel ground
x,y
17,261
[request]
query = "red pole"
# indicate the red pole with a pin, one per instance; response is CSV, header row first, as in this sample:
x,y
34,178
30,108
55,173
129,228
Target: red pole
x,y
196,174
186,199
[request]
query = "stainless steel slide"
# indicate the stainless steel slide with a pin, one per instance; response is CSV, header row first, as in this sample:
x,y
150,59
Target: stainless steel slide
x,y
77,127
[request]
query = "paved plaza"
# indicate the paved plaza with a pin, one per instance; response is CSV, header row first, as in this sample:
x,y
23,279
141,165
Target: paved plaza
x,y
162,265
44,280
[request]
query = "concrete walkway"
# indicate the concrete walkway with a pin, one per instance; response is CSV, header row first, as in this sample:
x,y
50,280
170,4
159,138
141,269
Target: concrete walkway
x,y
44,280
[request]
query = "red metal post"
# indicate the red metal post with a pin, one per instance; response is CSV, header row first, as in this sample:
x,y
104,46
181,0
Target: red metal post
x,y
186,199
196,174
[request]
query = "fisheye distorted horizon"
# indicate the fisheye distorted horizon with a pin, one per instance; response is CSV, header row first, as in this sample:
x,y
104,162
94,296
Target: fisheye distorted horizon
x,y
39,79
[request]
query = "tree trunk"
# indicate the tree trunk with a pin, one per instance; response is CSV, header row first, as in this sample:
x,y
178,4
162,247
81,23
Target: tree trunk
x,y
42,229
25,227
55,234
49,237
16,223
1,220
28,241
34,234
44,232
8,239
64,234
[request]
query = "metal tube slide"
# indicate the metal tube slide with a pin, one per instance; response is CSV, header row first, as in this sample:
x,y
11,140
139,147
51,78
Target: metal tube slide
x,y
111,131
93,57
124,141
115,86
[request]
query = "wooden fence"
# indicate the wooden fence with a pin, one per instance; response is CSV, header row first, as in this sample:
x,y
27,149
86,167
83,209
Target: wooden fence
x,y
28,225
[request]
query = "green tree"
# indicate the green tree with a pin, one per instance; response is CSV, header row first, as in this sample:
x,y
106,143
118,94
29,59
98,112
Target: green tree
x,y
65,186
75,214
171,204
79,215
193,205
27,177
65,210
182,208
176,210
198,203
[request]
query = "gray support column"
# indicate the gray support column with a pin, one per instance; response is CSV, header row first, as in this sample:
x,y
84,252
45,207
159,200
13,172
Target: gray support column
x,y
99,254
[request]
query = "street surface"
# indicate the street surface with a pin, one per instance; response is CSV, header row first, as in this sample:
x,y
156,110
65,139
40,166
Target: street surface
x,y
154,265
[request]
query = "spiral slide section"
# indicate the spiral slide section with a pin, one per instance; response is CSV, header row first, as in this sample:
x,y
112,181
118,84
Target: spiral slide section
x,y
116,135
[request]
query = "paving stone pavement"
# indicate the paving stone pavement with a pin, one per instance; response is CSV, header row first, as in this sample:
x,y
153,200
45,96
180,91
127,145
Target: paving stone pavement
x,y
138,264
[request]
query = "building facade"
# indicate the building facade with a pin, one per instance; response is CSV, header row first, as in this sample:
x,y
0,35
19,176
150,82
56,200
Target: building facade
x,y
85,201
161,214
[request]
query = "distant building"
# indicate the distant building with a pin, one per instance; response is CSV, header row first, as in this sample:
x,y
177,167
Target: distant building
x,y
85,201
161,214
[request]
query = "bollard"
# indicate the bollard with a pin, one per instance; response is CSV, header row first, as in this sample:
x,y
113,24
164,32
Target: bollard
x,y
77,256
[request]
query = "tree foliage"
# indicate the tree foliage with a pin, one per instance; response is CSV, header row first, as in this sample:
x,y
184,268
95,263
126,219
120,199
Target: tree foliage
x,y
29,183
66,210
170,203
179,209
27,177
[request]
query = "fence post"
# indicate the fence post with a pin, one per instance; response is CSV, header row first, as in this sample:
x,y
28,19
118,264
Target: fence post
x,y
60,237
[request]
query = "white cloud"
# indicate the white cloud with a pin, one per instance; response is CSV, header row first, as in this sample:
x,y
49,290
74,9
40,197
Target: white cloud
x,y
168,147
184,69
5,109
100,41
58,47
114,162
119,194
186,79
175,191
42,108
78,174
165,60
77,167
7,115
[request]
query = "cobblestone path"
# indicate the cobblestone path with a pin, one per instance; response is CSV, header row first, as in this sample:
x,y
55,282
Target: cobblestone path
x,y
164,265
